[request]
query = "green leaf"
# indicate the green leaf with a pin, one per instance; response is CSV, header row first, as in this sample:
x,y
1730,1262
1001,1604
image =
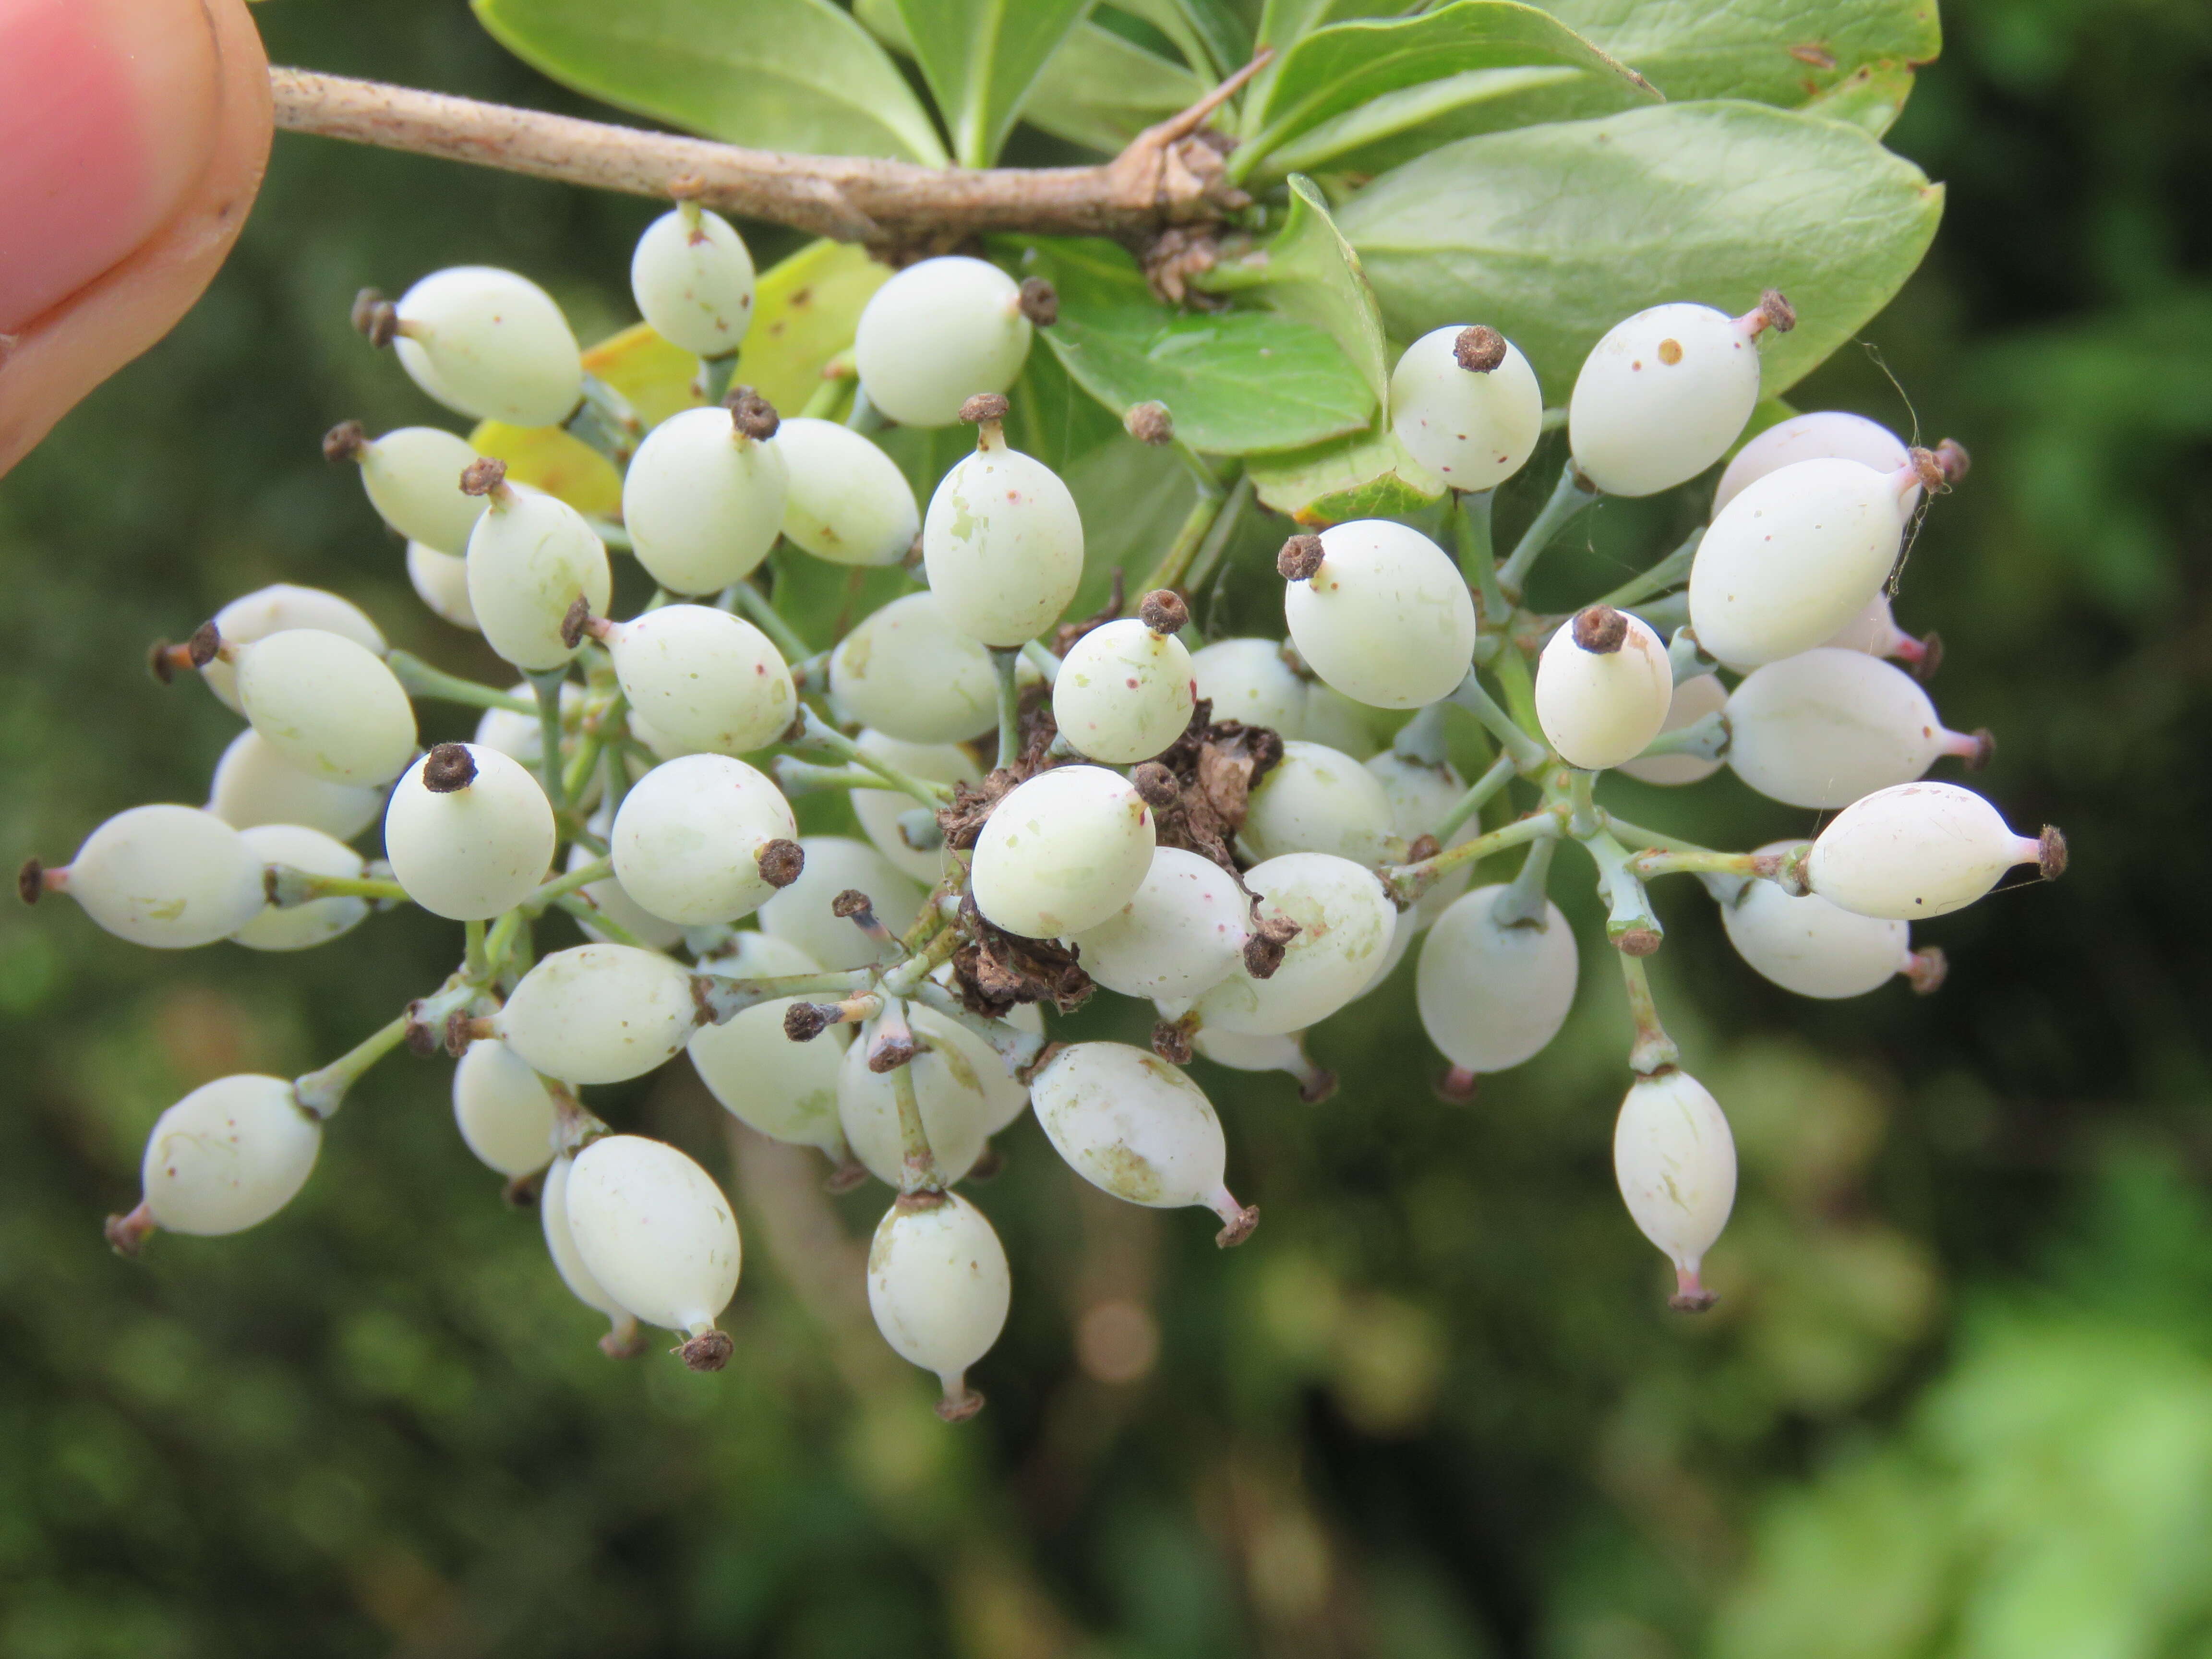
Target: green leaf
x,y
1756,49
1339,68
1859,53
1366,476
1236,381
1311,273
1199,33
1102,91
981,57
794,75
1554,233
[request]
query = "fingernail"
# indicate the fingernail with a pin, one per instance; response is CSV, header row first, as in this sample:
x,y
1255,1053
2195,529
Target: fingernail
x,y
107,112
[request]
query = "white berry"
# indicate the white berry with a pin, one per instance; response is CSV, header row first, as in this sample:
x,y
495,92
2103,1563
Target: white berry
x,y
1661,397
787,1091
530,557
1124,693
229,1155
317,921
703,502
880,810
1691,701
1493,992
1133,1126
1822,434
1003,543
1386,619
1317,800
907,671
801,913
654,1231
1248,680
1599,707
937,333
441,580
503,1110
1828,725
1810,946
491,344
599,1014
1061,853
169,877
711,680
275,608
1920,849
688,839
692,277
1675,1162
1346,927
938,1288
467,850
1181,932
413,478
254,784
1472,429
847,501
948,1087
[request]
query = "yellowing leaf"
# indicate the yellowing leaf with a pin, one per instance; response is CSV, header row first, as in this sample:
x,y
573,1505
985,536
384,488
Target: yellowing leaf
x,y
658,379
804,312
548,458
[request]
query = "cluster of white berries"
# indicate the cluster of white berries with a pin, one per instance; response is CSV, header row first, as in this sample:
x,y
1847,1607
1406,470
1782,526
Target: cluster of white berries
x,y
1196,823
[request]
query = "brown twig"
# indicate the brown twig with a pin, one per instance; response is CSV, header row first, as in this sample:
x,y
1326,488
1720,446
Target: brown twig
x,y
1168,175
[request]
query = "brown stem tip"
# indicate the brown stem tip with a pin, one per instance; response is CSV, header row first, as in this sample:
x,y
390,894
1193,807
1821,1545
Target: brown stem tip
x,y
1040,301
890,1051
462,1030
2050,853
1300,558
623,1341
127,1234
960,1403
1951,455
988,1163
448,769
204,646
345,442
1638,942
421,1038
803,1021
1479,349
1930,658
483,475
985,406
709,1351
852,904
1172,1042
1150,423
1316,1086
1238,1228
1983,751
1600,630
845,1176
781,861
1776,310
31,881
576,623
375,317
1458,1086
1164,612
1155,785
752,414
1926,970
1691,1295
1931,470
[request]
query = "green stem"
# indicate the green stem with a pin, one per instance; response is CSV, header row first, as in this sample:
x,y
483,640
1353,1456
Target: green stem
x,y
581,876
863,417
837,376
1569,497
1217,538
476,961
1525,903
1175,563
500,940
1669,571
1583,821
293,887
616,537
584,910
1478,556
1501,773
1528,755
725,998
818,734
1407,882
1638,835
546,684
1005,664
770,621
715,374
418,679
1653,1049
1706,738
605,420
1632,925
1039,656
1518,684
323,1092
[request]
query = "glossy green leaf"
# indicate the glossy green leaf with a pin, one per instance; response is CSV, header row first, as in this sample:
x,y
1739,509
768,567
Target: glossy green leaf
x,y
795,75
1236,381
1200,34
1556,232
1345,65
1309,271
1368,475
1101,90
981,57
1852,59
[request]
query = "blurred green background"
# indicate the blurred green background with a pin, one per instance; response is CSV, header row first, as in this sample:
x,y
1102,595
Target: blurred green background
x,y
1957,1397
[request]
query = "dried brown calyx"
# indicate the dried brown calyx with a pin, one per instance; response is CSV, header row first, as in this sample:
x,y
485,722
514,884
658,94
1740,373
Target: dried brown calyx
x,y
1600,630
781,861
1929,470
996,970
1270,938
577,622
752,414
1300,558
483,475
709,1351
448,769
1213,769
1172,1040
375,318
1776,311
985,406
345,442
1150,423
1164,612
1479,349
1040,301
1951,455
